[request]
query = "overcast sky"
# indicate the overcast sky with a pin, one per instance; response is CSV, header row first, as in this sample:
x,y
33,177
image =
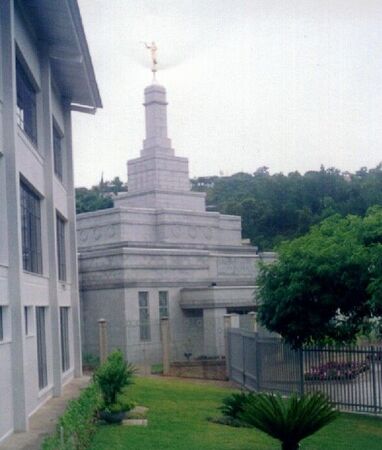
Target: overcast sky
x,y
288,84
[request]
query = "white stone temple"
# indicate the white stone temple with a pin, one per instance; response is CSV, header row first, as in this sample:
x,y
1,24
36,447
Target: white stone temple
x,y
159,252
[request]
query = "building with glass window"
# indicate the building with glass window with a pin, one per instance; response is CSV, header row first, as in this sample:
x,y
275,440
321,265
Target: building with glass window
x,y
159,253
45,73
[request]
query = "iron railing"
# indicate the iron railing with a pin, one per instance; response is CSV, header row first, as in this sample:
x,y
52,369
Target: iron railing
x,y
350,376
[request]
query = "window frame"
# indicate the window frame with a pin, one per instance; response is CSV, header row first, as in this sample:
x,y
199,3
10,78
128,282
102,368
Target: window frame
x,y
28,321
26,101
30,205
61,247
144,316
2,325
58,157
163,309
41,345
64,338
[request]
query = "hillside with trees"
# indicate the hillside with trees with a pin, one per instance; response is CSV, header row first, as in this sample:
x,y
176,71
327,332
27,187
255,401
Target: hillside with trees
x,y
281,207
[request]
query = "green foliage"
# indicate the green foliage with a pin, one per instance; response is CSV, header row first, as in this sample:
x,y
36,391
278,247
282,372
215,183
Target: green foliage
x,y
90,361
326,285
91,200
99,196
234,404
78,424
290,420
121,404
280,207
113,376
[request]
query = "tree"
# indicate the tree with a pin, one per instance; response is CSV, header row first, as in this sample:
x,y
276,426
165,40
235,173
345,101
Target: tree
x,y
326,284
279,207
91,200
99,196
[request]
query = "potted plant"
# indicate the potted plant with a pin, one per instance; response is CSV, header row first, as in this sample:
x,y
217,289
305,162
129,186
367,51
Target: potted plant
x,y
290,421
113,377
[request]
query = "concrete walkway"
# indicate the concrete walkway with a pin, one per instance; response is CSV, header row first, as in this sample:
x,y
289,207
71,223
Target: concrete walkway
x,y
43,421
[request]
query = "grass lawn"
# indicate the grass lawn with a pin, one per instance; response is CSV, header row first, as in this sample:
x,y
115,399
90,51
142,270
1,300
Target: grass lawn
x,y
177,421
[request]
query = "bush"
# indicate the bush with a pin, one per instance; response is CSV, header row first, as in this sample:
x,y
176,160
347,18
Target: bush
x,y
113,376
334,370
90,361
78,424
290,421
234,404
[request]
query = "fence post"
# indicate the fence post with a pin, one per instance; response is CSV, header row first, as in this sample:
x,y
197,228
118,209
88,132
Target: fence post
x,y
243,362
230,321
102,334
373,379
253,321
227,326
257,362
165,331
301,361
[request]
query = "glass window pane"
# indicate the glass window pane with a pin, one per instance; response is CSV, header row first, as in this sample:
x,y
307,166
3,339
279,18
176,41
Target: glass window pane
x,y
41,347
144,316
30,229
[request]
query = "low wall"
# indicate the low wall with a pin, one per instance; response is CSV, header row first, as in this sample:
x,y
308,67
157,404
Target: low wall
x,y
205,369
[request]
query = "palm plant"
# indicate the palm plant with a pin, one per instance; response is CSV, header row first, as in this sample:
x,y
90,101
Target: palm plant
x,y
290,420
234,404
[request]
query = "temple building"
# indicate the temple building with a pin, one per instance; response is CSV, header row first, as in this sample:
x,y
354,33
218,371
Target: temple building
x,y
158,253
45,73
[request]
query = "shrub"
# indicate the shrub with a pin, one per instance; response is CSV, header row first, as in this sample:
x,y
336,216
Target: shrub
x,y
90,361
113,376
290,420
77,425
234,404
334,370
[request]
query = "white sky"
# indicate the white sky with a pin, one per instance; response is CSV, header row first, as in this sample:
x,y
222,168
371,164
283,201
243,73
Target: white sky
x,y
288,84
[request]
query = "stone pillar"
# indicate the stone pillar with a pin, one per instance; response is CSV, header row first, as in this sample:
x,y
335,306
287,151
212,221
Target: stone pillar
x,y
156,120
213,331
47,144
165,333
102,330
72,237
230,321
252,321
8,67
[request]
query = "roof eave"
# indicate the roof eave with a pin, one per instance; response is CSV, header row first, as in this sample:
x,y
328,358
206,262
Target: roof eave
x,y
80,33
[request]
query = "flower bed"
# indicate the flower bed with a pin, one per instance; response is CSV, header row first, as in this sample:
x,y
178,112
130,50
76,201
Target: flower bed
x,y
334,370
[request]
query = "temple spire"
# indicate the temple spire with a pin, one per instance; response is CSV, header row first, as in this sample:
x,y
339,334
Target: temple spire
x,y
156,120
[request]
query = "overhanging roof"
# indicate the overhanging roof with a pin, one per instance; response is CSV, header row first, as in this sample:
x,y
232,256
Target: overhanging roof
x,y
58,23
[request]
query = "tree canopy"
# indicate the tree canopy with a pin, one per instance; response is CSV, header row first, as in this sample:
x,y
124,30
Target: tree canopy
x,y
326,284
99,196
279,207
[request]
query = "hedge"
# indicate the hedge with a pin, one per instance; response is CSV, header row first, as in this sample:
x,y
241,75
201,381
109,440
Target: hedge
x,y
77,425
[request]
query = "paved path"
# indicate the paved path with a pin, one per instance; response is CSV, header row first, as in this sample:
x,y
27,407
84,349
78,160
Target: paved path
x,y
43,421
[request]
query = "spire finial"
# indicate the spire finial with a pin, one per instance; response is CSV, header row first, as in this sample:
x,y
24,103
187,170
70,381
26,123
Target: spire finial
x,y
153,50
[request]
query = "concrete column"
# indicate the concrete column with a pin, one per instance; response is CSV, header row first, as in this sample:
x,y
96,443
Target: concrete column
x,y
156,120
72,262
230,321
213,331
165,332
253,321
47,145
7,31
102,332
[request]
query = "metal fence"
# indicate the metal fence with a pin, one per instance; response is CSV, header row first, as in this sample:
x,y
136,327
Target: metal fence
x,y
350,376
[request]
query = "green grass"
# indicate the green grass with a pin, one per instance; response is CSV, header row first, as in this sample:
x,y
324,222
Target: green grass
x,y
177,421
